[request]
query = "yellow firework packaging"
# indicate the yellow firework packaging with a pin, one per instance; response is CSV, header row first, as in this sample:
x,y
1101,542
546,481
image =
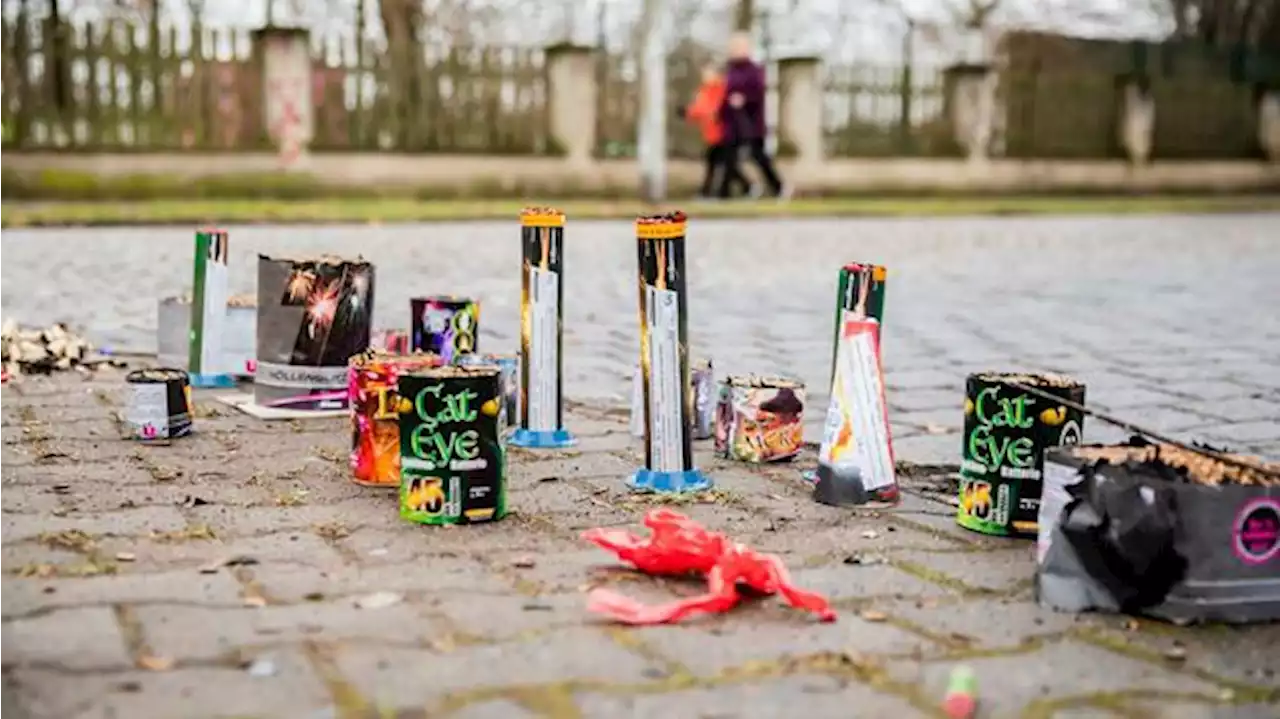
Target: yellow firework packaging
x,y
452,461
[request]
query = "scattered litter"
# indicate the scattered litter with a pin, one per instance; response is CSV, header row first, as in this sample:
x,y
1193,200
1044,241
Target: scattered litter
x,y
61,489
962,693
936,429
255,600
870,534
536,607
193,501
524,563
676,546
872,615
551,478
1176,653
54,348
379,600
379,552
154,663
865,560
125,556
234,561
262,667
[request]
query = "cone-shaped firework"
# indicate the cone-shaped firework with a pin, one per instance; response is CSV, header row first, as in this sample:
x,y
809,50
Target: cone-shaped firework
x,y
209,311
664,359
541,331
313,315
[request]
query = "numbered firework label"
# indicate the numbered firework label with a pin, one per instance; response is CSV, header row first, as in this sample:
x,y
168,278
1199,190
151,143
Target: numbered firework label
x,y
445,326
453,464
1006,432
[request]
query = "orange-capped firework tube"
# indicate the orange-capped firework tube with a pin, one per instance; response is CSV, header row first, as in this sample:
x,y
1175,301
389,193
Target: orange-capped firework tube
x,y
375,425
541,422
667,393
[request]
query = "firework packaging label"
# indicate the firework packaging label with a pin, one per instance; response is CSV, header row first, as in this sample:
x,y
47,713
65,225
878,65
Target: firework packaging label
x,y
453,463
1160,530
704,405
541,330
239,335
313,315
759,419
375,419
855,462
446,326
159,403
859,295
209,311
664,358
509,367
392,341
1006,432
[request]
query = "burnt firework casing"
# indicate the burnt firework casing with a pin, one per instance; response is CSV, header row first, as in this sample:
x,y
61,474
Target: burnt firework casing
x,y
159,403
1006,433
759,419
375,421
664,358
452,459
704,400
859,292
1191,550
509,366
541,331
313,315
445,325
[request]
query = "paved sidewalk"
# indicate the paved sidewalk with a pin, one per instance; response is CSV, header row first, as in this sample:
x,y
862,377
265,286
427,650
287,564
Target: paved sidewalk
x,y
221,575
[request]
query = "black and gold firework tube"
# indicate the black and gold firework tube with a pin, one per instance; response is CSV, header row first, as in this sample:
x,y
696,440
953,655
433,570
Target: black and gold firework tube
x,y
664,359
541,330
313,315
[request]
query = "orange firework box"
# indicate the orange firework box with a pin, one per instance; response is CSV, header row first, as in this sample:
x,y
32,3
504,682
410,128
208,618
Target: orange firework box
x,y
372,379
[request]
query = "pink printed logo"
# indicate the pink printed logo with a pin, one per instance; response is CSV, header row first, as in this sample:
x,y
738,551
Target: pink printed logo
x,y
250,366
1256,535
149,431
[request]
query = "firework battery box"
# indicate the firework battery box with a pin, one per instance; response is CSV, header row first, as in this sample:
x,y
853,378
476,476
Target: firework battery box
x,y
159,403
452,459
759,419
1160,530
374,403
445,325
1006,433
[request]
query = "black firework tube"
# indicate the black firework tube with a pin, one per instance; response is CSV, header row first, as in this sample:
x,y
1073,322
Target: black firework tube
x,y
664,356
159,403
541,329
313,315
1006,433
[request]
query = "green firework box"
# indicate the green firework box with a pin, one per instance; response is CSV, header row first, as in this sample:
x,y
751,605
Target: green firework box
x,y
860,293
541,330
1006,433
205,360
666,388
452,462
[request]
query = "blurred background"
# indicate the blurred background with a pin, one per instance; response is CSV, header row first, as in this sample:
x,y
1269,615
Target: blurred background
x,y
470,76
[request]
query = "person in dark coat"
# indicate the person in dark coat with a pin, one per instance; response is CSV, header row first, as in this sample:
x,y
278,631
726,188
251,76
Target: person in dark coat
x,y
742,115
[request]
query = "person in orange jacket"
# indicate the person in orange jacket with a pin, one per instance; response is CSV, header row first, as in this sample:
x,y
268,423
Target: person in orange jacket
x,y
705,113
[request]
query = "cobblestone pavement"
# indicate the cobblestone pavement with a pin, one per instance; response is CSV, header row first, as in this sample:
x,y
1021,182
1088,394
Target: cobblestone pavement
x,y
107,612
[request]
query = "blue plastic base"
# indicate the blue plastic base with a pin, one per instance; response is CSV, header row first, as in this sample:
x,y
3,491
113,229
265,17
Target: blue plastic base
x,y
647,480
206,381
542,440
809,475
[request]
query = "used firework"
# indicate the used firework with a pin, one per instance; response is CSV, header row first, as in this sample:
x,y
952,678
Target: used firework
x,y
1006,432
393,341
239,333
209,311
664,358
855,463
704,408
759,419
313,315
509,366
375,420
452,461
860,295
541,330
445,325
159,403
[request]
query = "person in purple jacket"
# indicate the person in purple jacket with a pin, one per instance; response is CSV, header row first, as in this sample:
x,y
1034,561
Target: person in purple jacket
x,y
743,115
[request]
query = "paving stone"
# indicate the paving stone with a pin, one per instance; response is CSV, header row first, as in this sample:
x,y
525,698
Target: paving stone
x,y
25,595
816,697
288,584
981,623
73,475
994,571
1245,434
300,547
124,522
1011,684
1242,410
499,618
73,639
840,581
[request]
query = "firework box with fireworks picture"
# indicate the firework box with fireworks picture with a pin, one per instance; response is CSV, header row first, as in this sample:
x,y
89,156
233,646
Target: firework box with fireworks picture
x,y
313,315
452,460
1161,529
445,325
1006,432
373,378
855,461
759,419
159,403
664,358
541,331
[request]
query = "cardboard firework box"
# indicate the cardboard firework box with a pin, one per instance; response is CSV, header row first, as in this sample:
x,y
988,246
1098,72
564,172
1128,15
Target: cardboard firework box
x,y
445,325
453,464
855,462
759,419
206,363
374,399
313,315
667,391
542,330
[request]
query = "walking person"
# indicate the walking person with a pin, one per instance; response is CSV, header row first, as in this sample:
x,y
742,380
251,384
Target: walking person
x,y
743,115
705,113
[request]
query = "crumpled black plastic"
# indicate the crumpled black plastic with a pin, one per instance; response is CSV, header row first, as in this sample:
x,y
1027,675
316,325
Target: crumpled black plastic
x,y
1122,524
